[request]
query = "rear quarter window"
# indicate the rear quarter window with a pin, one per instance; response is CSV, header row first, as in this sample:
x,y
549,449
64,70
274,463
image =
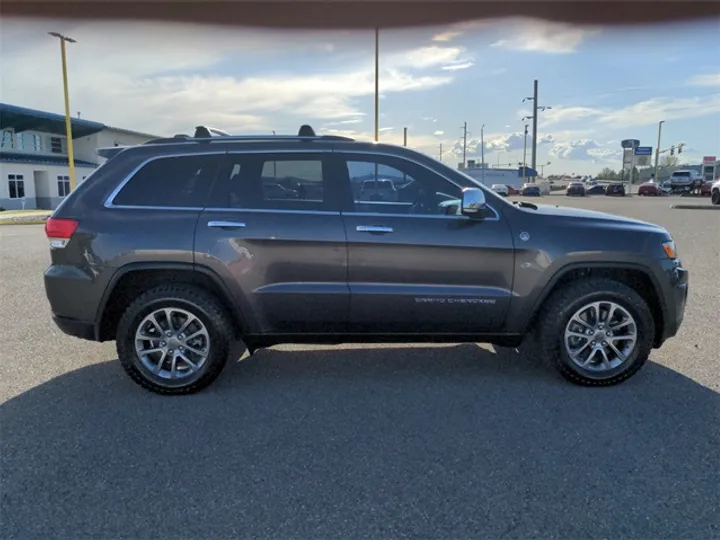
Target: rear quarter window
x,y
179,182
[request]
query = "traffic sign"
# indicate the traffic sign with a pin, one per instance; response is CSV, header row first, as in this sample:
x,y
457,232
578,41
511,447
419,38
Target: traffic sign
x,y
643,151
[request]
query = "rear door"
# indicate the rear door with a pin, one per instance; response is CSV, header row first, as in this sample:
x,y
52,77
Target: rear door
x,y
272,230
415,265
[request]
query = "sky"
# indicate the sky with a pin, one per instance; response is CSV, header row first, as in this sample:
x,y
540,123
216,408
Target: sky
x,y
601,85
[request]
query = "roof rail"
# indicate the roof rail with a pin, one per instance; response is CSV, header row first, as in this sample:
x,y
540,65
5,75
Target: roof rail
x,y
208,134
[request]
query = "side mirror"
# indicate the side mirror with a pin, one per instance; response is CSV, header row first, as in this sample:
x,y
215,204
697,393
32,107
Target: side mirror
x,y
473,202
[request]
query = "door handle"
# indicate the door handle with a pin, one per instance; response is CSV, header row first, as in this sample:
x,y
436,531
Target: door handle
x,y
374,229
226,224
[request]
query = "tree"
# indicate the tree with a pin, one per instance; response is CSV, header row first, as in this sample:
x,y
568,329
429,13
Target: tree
x,y
669,161
607,174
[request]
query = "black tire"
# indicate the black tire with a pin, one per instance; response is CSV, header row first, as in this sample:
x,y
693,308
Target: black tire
x,y
561,306
715,197
202,305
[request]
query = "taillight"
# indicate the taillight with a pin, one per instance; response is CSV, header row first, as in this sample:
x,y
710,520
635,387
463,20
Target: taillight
x,y
59,231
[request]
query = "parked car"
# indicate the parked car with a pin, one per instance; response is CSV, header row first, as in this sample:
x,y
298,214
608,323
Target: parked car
x,y
512,190
595,189
575,188
156,255
650,189
378,190
500,189
715,192
615,190
706,188
530,190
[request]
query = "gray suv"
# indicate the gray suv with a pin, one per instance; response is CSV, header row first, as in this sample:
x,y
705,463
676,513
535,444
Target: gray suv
x,y
180,248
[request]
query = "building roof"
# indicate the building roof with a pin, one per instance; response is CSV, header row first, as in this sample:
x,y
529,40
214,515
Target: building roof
x,y
133,132
24,119
39,159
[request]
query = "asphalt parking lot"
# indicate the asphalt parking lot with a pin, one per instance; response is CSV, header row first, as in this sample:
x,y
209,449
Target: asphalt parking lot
x,y
362,441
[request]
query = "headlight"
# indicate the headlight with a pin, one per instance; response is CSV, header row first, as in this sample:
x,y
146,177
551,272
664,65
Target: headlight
x,y
669,248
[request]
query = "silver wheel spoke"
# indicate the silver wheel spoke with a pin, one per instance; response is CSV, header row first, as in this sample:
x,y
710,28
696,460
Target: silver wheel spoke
x,y
605,360
589,359
160,363
156,324
610,314
168,316
577,335
622,325
173,366
187,323
617,351
193,365
194,350
199,333
578,320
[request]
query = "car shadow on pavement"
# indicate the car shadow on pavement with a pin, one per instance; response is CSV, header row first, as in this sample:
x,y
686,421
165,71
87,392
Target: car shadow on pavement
x,y
446,441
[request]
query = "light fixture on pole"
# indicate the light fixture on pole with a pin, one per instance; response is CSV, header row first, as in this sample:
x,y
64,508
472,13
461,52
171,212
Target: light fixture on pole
x,y
68,122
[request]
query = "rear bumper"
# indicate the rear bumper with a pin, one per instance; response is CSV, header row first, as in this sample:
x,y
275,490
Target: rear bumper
x,y
75,328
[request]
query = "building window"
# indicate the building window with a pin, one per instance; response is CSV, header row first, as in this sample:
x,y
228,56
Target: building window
x,y
57,145
7,139
63,186
29,141
16,186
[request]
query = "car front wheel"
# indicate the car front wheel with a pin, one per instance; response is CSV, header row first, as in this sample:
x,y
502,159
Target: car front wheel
x,y
597,332
715,197
174,339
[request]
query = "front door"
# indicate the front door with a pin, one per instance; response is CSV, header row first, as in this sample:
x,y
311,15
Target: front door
x,y
272,230
415,265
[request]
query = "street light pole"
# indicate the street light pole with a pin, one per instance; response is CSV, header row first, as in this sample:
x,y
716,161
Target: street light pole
x,y
68,122
535,121
525,153
377,83
657,150
482,152
404,136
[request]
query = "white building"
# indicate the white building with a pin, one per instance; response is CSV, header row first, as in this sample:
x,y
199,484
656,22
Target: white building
x,y
34,171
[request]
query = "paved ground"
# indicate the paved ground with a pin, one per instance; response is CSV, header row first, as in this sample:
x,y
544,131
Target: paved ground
x,y
361,442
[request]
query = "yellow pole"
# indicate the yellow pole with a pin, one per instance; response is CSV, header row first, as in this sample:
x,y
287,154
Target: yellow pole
x,y
377,83
68,123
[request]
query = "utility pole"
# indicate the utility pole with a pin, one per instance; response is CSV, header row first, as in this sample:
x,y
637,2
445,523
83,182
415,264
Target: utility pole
x,y
404,136
440,153
377,83
482,152
535,122
524,163
657,150
68,122
464,144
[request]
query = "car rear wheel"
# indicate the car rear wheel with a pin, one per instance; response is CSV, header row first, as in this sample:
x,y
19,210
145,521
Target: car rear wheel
x,y
715,197
597,332
174,339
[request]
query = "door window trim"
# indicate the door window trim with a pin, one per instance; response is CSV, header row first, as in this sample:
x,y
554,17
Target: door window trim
x,y
322,154
109,202
342,154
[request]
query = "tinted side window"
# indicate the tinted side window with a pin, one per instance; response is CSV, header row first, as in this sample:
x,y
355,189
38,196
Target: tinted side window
x,y
272,182
395,186
174,181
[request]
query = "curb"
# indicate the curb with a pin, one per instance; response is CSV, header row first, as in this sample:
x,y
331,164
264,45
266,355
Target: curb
x,y
694,207
21,221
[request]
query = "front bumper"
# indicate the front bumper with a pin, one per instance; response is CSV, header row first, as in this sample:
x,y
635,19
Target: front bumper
x,y
676,295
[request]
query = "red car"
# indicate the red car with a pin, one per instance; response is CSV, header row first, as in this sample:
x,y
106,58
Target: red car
x,y
513,190
706,188
649,189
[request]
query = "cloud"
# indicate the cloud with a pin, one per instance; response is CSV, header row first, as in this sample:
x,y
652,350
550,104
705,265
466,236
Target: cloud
x,y
547,37
385,129
194,75
507,142
454,67
646,112
583,150
439,133
707,79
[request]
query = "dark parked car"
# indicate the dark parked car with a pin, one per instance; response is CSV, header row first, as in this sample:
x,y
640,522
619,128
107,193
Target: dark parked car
x,y
617,190
595,189
530,190
575,188
176,251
